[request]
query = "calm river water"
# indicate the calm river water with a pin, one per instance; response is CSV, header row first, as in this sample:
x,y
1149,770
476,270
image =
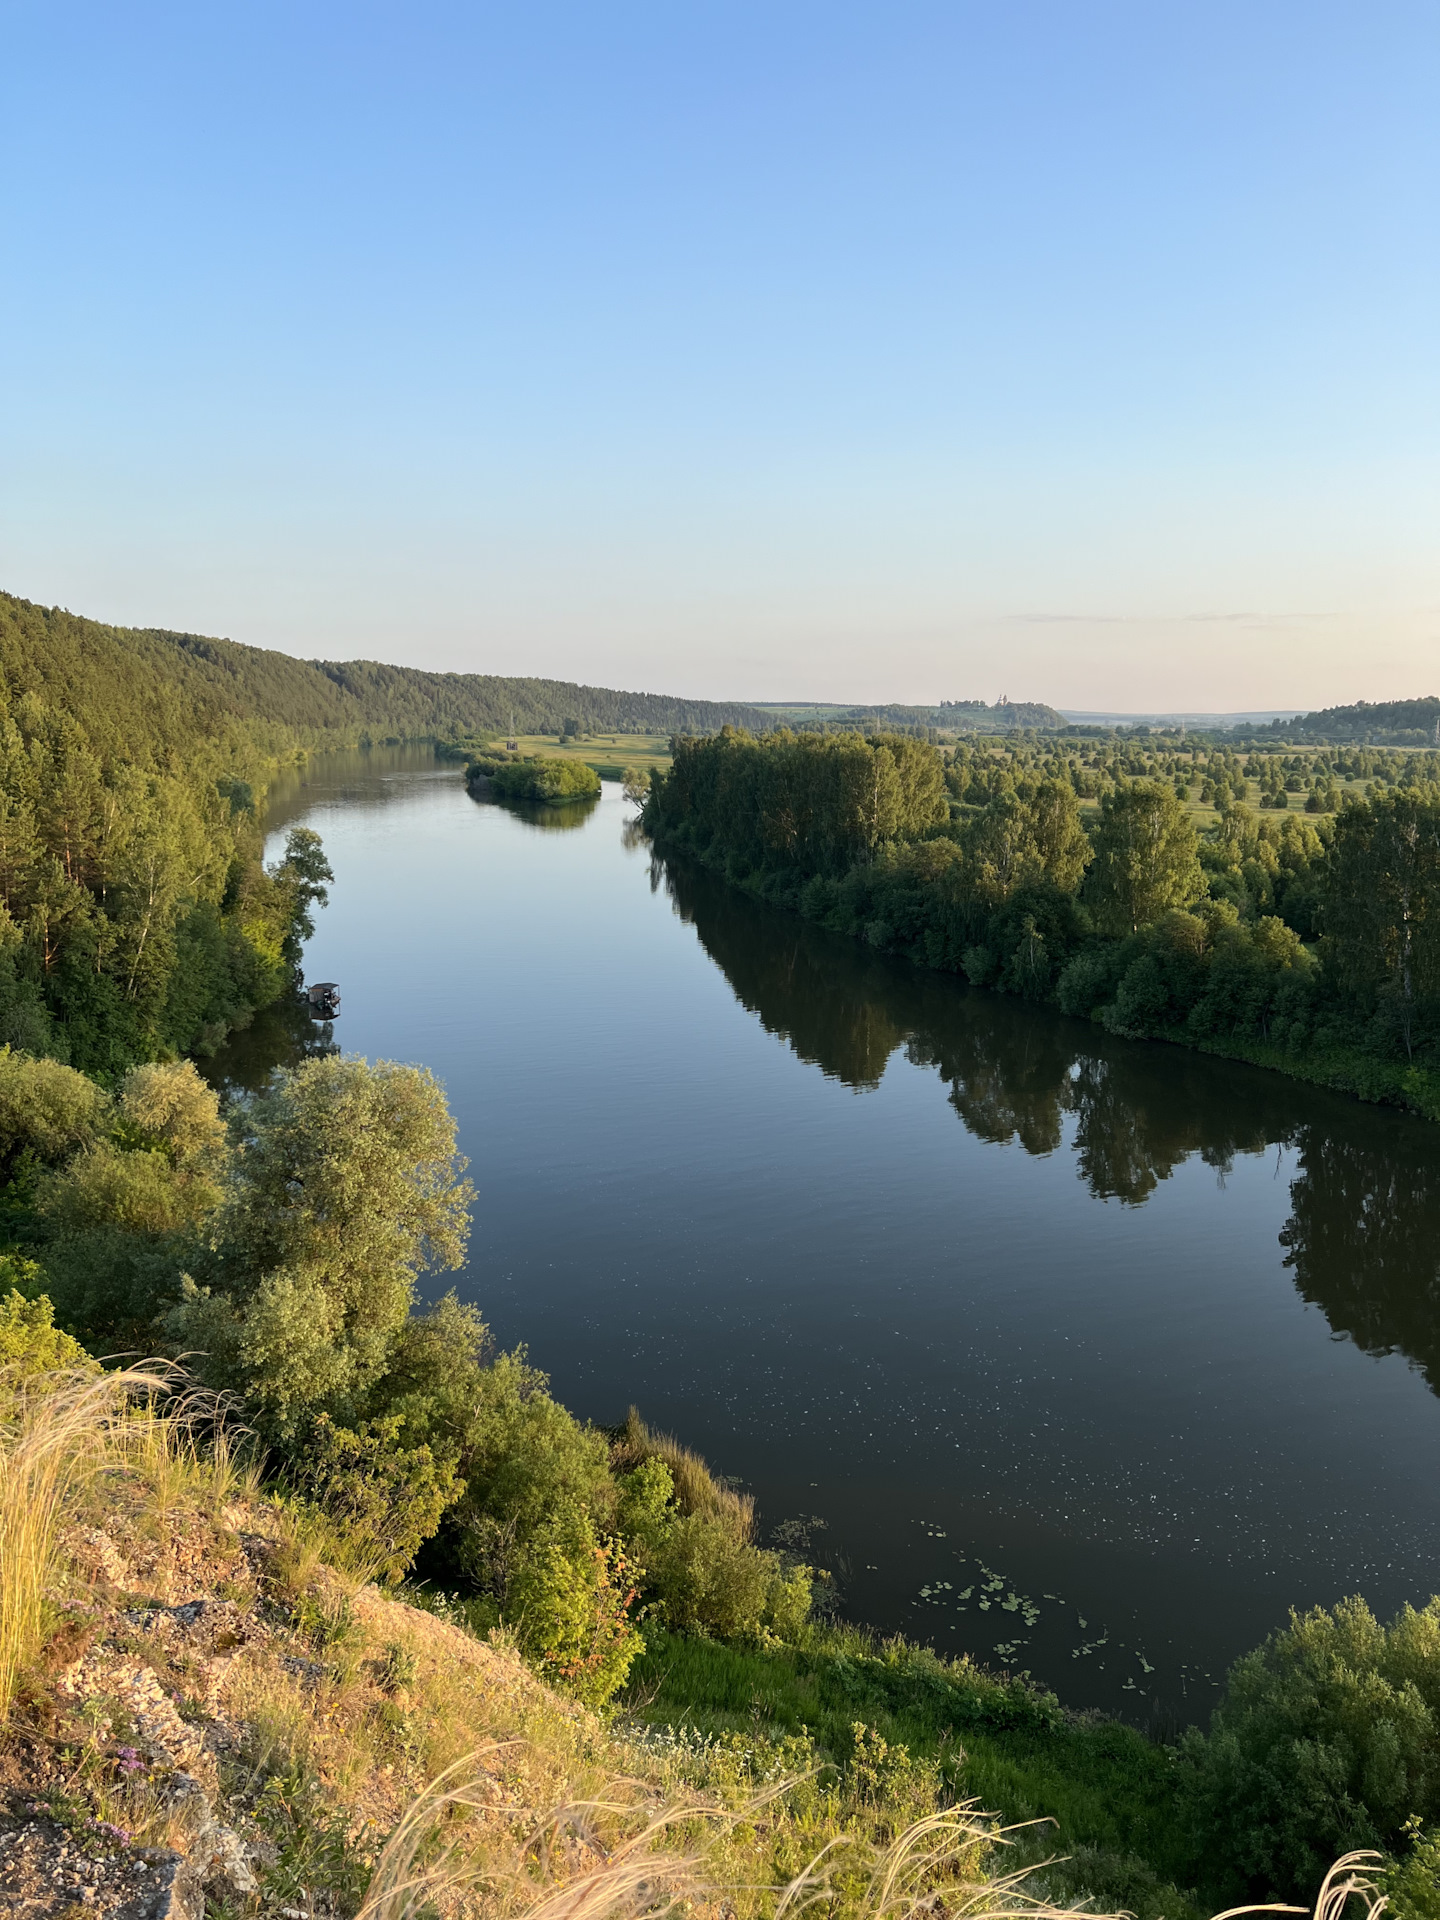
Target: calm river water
x,y
1087,1356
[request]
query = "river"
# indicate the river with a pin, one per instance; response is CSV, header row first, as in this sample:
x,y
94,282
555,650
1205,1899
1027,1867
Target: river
x,y
1089,1357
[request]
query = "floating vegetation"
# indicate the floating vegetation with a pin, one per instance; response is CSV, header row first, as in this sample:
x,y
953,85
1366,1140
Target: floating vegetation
x,y
990,1589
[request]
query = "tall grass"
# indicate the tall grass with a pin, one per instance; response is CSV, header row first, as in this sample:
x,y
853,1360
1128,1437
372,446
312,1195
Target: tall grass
x,y
697,1489
1349,1879
933,1867
57,1432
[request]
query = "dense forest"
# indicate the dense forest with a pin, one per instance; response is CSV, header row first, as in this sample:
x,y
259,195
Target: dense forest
x,y
1092,877
136,918
75,662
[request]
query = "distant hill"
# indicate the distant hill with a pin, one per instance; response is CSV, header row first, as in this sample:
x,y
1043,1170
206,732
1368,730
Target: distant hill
x,y
1196,720
187,681
1385,723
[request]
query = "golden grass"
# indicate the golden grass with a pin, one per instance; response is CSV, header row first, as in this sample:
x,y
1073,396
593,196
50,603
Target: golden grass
x,y
55,1431
932,1866
697,1490
1349,1879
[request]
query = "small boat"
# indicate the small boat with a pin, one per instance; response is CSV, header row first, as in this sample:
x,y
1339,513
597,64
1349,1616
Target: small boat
x,y
324,999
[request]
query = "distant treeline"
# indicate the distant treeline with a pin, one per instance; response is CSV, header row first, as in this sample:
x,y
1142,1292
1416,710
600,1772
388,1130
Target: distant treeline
x,y
1307,943
1388,723
949,717
136,918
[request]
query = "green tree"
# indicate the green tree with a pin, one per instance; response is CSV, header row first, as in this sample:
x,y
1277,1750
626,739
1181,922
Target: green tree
x,y
1021,840
1325,1740
346,1186
301,876
1146,857
45,1109
1382,904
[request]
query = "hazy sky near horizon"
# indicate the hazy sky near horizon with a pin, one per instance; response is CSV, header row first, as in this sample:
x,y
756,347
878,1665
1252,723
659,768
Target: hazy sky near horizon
x,y
1081,352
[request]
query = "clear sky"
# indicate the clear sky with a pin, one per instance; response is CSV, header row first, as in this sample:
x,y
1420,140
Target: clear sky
x,y
1081,352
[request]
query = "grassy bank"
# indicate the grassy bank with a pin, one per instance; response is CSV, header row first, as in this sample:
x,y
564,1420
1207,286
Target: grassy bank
x,y
1104,1795
213,1715
610,754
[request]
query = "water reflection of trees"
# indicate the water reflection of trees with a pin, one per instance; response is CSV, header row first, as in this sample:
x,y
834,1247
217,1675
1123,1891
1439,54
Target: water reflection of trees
x,y
1363,1238
541,815
280,1035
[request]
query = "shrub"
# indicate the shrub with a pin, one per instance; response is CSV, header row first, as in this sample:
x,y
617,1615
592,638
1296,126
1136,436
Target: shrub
x,y
696,1488
1413,1884
121,1229
702,1572
46,1109
169,1107
1089,980
570,1606
382,1498
30,1342
1326,1739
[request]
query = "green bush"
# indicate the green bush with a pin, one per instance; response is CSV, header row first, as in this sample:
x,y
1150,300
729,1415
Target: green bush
x,y
30,1342
570,1602
1327,1738
46,1109
554,781
382,1498
1413,1884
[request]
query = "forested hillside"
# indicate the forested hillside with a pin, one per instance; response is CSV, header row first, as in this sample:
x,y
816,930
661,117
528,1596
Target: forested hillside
x,y
136,918
79,663
1387,723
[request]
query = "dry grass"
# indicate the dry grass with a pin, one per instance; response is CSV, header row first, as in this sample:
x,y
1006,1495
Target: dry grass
x,y
1349,1879
56,1431
696,1488
935,1866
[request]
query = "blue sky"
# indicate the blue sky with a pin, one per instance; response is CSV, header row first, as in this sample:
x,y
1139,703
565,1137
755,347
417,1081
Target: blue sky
x,y
1084,352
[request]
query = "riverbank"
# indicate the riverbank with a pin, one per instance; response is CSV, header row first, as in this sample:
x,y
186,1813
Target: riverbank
x,y
1286,943
1338,1068
216,1714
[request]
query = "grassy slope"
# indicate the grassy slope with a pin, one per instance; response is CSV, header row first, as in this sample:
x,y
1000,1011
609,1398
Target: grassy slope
x,y
1107,1794
196,1634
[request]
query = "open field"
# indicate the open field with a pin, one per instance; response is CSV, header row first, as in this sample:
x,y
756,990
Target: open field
x,y
608,753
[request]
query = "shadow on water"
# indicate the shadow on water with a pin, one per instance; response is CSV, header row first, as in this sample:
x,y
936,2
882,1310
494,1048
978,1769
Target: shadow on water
x,y
1363,1237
